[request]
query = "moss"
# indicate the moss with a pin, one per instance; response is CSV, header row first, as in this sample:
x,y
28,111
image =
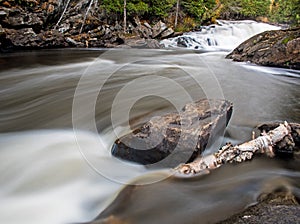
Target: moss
x,y
287,39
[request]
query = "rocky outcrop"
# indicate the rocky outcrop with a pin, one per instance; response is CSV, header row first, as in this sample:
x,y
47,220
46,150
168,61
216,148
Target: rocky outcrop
x,y
280,48
29,24
188,132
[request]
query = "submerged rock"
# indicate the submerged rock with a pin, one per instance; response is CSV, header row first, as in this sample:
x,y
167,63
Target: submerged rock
x,y
280,48
176,137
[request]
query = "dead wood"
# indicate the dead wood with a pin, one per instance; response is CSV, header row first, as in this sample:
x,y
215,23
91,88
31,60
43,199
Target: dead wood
x,y
228,154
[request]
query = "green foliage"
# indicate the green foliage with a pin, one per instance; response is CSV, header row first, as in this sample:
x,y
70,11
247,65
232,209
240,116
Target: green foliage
x,y
112,6
160,8
197,9
187,25
245,8
254,8
137,7
286,11
283,11
157,8
287,39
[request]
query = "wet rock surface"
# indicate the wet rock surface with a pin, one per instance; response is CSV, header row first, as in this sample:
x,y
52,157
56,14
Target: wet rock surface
x,y
176,137
279,48
28,24
277,207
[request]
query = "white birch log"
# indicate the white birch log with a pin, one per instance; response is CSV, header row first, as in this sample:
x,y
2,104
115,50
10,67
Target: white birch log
x,y
238,153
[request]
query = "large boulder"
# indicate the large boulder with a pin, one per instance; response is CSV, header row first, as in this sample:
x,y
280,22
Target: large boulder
x,y
158,28
188,132
167,33
280,48
26,38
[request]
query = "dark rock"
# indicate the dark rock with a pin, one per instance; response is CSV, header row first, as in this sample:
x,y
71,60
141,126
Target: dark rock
x,y
158,28
22,38
17,19
26,23
188,132
141,30
26,38
167,33
153,44
182,42
276,207
140,43
52,39
145,32
280,48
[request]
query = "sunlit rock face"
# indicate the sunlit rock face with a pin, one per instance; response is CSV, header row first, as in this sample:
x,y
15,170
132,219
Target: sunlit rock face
x,y
175,137
279,48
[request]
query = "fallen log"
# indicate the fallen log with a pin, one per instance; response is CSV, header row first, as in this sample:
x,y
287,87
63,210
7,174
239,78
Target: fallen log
x,y
289,146
239,153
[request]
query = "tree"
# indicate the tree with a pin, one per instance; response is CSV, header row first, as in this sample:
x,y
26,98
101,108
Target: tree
x,y
176,15
286,11
196,9
125,17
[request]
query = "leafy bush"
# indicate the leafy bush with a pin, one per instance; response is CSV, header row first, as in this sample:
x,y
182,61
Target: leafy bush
x,y
286,11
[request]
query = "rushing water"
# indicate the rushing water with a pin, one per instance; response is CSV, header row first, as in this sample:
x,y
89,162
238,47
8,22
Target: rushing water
x,y
61,110
224,36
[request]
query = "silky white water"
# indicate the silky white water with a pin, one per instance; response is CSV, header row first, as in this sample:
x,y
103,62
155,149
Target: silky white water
x,y
225,36
45,177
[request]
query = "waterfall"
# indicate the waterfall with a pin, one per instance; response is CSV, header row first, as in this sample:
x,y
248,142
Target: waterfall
x,y
225,35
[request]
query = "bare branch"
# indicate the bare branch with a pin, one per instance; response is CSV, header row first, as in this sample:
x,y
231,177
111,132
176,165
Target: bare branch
x,y
238,153
87,11
62,15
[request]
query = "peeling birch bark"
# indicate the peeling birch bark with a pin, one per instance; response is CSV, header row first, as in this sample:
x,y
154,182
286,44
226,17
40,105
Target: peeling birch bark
x,y
239,153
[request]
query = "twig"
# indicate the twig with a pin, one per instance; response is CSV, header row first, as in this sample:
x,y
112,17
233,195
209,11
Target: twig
x,y
62,15
87,11
238,153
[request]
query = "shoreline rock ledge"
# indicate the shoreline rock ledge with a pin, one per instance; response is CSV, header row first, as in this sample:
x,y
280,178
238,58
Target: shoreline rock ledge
x,y
174,138
278,48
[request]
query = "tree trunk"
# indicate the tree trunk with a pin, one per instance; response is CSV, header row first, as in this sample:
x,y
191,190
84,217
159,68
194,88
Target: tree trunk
x,y
238,153
125,17
176,15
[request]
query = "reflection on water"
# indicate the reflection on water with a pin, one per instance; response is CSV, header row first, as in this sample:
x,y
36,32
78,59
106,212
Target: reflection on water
x,y
39,156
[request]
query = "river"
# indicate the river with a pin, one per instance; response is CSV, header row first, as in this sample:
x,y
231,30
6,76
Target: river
x,y
61,110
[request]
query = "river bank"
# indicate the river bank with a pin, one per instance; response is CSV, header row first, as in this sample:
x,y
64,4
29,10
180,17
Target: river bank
x,y
51,24
44,24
